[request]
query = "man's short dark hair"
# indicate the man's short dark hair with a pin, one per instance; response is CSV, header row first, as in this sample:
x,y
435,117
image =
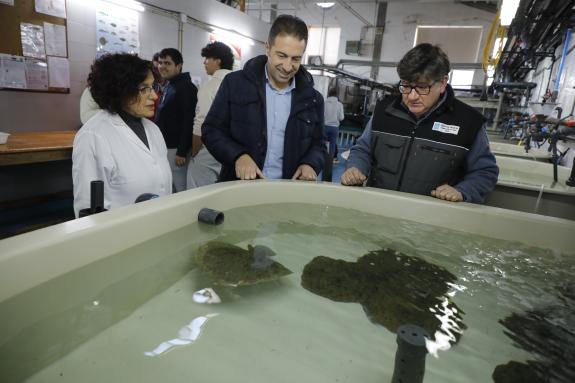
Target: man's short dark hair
x,y
288,25
424,61
174,54
219,50
115,78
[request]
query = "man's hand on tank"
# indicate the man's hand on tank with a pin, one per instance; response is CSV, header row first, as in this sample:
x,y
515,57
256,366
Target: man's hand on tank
x,y
352,176
447,193
246,168
305,173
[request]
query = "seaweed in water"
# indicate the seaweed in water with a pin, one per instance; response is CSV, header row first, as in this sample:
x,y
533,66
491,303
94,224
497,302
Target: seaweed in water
x,y
393,288
548,334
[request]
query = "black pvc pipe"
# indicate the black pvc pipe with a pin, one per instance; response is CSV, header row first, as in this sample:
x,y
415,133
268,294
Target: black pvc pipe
x,y
410,354
96,199
211,216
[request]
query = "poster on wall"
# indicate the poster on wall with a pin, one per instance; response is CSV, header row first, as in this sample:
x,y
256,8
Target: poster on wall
x,y
51,7
12,71
32,37
36,74
55,39
117,30
7,2
58,72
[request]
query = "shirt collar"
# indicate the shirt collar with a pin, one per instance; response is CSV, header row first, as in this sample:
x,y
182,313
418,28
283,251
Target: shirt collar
x,y
288,89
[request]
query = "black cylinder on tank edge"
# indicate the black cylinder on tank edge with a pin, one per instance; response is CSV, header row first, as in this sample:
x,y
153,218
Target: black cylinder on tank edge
x,y
211,216
410,354
96,199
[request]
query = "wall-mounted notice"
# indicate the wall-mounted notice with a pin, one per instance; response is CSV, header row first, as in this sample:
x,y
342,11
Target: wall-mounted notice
x,y
32,37
52,7
36,74
12,72
55,39
7,2
116,30
58,72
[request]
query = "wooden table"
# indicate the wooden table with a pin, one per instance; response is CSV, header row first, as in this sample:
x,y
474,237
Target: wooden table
x,y
34,147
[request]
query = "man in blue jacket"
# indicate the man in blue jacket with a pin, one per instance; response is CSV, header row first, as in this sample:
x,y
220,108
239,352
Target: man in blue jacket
x,y
425,141
267,119
175,114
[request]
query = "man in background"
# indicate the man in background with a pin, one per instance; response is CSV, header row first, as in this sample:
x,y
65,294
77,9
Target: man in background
x,y
333,115
267,119
175,114
218,62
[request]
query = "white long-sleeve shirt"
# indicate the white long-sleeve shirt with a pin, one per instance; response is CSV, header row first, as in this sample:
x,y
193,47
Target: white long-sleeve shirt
x,y
206,94
333,112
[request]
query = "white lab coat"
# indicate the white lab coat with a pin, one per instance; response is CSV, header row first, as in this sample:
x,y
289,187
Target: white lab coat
x,y
106,149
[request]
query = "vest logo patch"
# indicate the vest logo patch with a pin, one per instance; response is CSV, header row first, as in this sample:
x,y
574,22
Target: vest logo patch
x,y
444,128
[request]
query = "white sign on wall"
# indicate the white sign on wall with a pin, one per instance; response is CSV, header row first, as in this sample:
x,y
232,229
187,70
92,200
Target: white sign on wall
x,y
117,30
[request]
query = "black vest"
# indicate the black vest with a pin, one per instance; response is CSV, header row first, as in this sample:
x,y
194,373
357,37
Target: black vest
x,y
418,156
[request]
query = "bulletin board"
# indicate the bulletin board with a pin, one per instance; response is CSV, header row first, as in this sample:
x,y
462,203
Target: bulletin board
x,y
23,11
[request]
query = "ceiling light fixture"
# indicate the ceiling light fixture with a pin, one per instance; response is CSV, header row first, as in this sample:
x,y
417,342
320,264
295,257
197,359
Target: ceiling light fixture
x,y
234,37
325,5
508,10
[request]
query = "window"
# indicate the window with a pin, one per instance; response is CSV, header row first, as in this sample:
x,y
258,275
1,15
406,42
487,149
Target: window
x,y
324,42
461,43
462,79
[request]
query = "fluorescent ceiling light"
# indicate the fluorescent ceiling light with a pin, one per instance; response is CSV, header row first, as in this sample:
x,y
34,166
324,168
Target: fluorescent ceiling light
x,y
132,4
234,37
508,10
325,5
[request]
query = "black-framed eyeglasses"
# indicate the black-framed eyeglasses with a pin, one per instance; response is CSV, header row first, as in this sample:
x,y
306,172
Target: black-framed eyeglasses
x,y
422,90
145,90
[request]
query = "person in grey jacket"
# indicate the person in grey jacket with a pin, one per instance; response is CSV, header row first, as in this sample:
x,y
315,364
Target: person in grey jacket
x,y
425,141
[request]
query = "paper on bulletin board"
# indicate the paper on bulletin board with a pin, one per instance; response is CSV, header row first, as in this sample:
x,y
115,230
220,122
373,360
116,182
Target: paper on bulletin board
x,y
7,2
32,37
36,74
58,72
12,72
52,7
117,30
55,39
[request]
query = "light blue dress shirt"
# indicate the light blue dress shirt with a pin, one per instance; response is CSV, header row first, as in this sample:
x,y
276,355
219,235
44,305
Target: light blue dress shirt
x,y
278,107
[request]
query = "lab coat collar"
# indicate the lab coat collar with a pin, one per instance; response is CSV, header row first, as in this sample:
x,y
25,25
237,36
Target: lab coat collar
x,y
128,132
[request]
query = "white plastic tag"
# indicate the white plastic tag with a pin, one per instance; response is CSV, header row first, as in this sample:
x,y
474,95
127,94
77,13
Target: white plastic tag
x,y
444,128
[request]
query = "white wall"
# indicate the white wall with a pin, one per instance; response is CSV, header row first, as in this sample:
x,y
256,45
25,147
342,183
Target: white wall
x,y
25,111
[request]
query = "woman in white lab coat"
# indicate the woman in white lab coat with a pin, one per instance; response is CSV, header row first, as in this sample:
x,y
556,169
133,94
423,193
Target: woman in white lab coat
x,y
119,145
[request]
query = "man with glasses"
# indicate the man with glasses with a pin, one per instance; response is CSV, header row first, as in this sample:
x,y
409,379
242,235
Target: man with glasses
x,y
425,141
175,114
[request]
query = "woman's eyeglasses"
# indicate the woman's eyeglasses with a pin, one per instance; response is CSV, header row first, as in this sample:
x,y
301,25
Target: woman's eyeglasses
x,y
145,90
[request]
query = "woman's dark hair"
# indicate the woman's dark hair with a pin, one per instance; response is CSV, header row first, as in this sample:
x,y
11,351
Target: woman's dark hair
x,y
424,61
115,78
288,25
332,92
219,50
